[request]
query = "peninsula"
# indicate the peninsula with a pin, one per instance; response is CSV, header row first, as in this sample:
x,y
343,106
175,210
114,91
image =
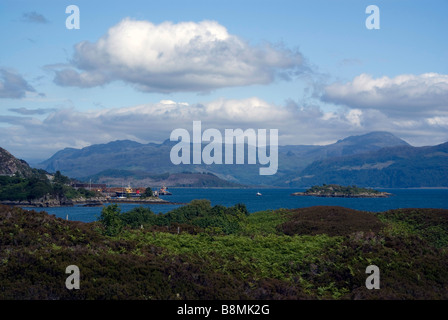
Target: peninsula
x,y
333,190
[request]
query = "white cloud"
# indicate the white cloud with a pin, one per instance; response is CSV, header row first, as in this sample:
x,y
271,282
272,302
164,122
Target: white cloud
x,y
423,93
29,137
35,138
168,57
438,121
354,116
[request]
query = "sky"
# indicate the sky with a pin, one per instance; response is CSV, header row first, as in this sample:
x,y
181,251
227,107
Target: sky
x,y
138,70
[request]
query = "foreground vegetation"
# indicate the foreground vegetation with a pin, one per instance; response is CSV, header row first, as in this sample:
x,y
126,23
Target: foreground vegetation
x,y
201,251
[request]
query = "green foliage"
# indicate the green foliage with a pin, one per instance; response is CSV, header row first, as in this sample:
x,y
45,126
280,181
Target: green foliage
x,y
60,179
256,260
138,217
148,192
337,189
111,220
429,224
265,222
18,189
198,214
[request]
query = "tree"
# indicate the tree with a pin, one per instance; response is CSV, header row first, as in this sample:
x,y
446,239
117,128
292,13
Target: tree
x,y
59,178
111,220
137,217
148,192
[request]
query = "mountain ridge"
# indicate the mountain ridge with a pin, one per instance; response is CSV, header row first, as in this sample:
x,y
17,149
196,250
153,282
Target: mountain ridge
x,y
394,167
134,157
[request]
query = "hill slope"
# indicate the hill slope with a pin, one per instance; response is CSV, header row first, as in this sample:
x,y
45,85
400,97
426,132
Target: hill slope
x,y
10,165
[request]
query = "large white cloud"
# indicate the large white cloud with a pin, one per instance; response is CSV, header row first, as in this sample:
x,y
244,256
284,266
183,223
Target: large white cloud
x,y
426,93
168,57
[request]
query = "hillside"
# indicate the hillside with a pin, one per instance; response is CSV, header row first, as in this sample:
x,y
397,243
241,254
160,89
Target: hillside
x,y
22,185
184,179
396,167
154,159
200,252
10,165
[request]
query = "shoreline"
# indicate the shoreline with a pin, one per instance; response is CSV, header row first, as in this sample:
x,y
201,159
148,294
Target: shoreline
x,y
336,195
84,202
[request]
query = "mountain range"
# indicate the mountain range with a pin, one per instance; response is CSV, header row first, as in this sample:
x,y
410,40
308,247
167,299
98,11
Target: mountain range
x,y
376,159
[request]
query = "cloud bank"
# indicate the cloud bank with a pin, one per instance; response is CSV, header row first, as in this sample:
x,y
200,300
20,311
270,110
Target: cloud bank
x,y
168,57
425,93
33,137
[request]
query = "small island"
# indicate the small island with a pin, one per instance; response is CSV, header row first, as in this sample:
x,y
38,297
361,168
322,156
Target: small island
x,y
334,190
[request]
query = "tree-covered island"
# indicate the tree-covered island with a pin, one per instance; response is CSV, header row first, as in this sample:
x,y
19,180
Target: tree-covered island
x,y
333,190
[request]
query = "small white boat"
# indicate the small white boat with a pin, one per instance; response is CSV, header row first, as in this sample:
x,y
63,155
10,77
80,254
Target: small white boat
x,y
258,194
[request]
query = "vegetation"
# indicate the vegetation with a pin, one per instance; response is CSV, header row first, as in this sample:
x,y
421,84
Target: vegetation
x,y
199,215
17,188
201,251
148,193
334,190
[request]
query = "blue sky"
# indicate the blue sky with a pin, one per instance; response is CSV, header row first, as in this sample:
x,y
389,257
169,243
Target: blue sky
x,y
308,68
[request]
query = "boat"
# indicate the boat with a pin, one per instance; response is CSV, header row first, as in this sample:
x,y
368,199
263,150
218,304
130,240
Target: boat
x,y
164,192
258,194
128,192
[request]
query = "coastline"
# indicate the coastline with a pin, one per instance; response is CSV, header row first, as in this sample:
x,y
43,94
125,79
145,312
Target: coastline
x,y
343,195
95,202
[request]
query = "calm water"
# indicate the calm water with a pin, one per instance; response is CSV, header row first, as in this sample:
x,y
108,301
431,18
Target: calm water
x,y
272,199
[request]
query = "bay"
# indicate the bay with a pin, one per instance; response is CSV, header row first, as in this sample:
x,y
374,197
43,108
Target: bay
x,y
270,199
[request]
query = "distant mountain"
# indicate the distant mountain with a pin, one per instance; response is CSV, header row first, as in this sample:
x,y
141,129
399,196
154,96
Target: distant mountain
x,y
393,167
10,165
293,159
138,178
299,165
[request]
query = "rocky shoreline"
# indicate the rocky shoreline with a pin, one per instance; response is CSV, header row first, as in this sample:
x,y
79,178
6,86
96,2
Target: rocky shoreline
x,y
48,202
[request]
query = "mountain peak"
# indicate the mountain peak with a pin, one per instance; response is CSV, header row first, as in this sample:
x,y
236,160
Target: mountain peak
x,y
378,138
